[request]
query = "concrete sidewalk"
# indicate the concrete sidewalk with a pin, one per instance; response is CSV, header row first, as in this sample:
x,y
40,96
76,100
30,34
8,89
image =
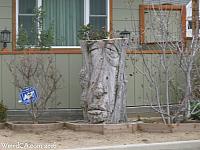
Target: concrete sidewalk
x,y
179,145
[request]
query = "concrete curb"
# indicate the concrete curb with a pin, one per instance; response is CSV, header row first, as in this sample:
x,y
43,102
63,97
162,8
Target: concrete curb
x,y
30,127
129,127
178,145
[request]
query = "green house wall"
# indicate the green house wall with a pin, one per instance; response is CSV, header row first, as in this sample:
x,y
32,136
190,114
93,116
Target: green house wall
x,y
69,95
6,17
69,64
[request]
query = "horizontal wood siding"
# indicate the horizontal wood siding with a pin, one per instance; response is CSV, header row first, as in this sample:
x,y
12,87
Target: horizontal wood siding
x,y
1,85
6,18
126,16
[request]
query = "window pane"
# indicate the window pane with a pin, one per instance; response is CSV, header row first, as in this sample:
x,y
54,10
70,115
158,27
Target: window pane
x,y
28,26
66,17
97,7
189,24
98,22
162,25
27,6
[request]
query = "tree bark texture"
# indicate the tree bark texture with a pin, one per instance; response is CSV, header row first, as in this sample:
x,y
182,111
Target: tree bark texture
x,y
103,81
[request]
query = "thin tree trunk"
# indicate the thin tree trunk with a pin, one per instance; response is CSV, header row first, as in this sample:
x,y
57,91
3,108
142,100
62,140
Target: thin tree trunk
x,y
167,96
103,81
188,91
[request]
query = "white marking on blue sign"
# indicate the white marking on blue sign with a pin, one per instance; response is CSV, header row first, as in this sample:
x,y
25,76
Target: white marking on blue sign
x,y
28,95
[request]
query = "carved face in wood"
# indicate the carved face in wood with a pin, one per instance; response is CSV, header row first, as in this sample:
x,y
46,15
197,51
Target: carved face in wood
x,y
103,81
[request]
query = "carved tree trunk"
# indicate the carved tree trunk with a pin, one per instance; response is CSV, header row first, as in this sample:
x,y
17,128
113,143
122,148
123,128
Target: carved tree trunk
x,y
103,81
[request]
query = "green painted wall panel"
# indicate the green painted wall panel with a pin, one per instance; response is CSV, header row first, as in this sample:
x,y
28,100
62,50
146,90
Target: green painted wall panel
x,y
130,85
125,14
69,96
153,63
75,90
5,23
146,86
155,67
17,90
124,4
6,17
5,12
120,25
8,89
69,65
6,3
178,82
51,103
1,85
138,82
62,95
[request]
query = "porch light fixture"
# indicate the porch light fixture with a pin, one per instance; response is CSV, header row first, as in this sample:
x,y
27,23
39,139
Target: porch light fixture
x,y
125,34
5,37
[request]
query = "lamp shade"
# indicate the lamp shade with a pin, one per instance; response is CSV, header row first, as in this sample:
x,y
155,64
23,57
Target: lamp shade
x,y
5,36
125,34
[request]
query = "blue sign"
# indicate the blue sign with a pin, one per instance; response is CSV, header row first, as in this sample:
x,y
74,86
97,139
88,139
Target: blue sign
x,y
28,95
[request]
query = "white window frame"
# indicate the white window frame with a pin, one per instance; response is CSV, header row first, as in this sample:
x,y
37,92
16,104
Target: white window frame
x,y
86,17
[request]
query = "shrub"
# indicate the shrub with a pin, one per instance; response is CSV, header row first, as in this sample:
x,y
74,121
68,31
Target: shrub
x,y
3,112
87,32
38,71
22,40
195,109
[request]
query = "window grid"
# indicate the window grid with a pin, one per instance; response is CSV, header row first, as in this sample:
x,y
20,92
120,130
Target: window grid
x,y
87,16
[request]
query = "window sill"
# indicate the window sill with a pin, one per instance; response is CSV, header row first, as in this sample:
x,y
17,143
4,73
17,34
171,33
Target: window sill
x,y
75,51
190,37
36,51
150,52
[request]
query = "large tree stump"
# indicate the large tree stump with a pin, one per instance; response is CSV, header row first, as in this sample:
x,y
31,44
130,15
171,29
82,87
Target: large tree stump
x,y
103,81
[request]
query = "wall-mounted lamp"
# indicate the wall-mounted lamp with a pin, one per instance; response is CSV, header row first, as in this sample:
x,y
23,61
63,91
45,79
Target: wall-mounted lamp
x,y
125,34
5,37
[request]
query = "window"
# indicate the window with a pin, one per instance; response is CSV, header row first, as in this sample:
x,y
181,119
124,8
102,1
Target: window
x,y
189,25
160,23
65,16
26,15
189,28
98,13
162,26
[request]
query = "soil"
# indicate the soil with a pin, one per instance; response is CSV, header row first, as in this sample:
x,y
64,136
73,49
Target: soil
x,y
66,138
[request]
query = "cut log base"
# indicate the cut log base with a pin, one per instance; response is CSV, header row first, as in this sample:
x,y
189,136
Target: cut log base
x,y
103,81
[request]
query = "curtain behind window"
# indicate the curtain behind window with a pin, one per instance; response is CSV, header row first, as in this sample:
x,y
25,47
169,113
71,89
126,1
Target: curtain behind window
x,y
66,17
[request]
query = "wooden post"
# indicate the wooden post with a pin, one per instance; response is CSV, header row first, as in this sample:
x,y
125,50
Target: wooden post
x,y
195,18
